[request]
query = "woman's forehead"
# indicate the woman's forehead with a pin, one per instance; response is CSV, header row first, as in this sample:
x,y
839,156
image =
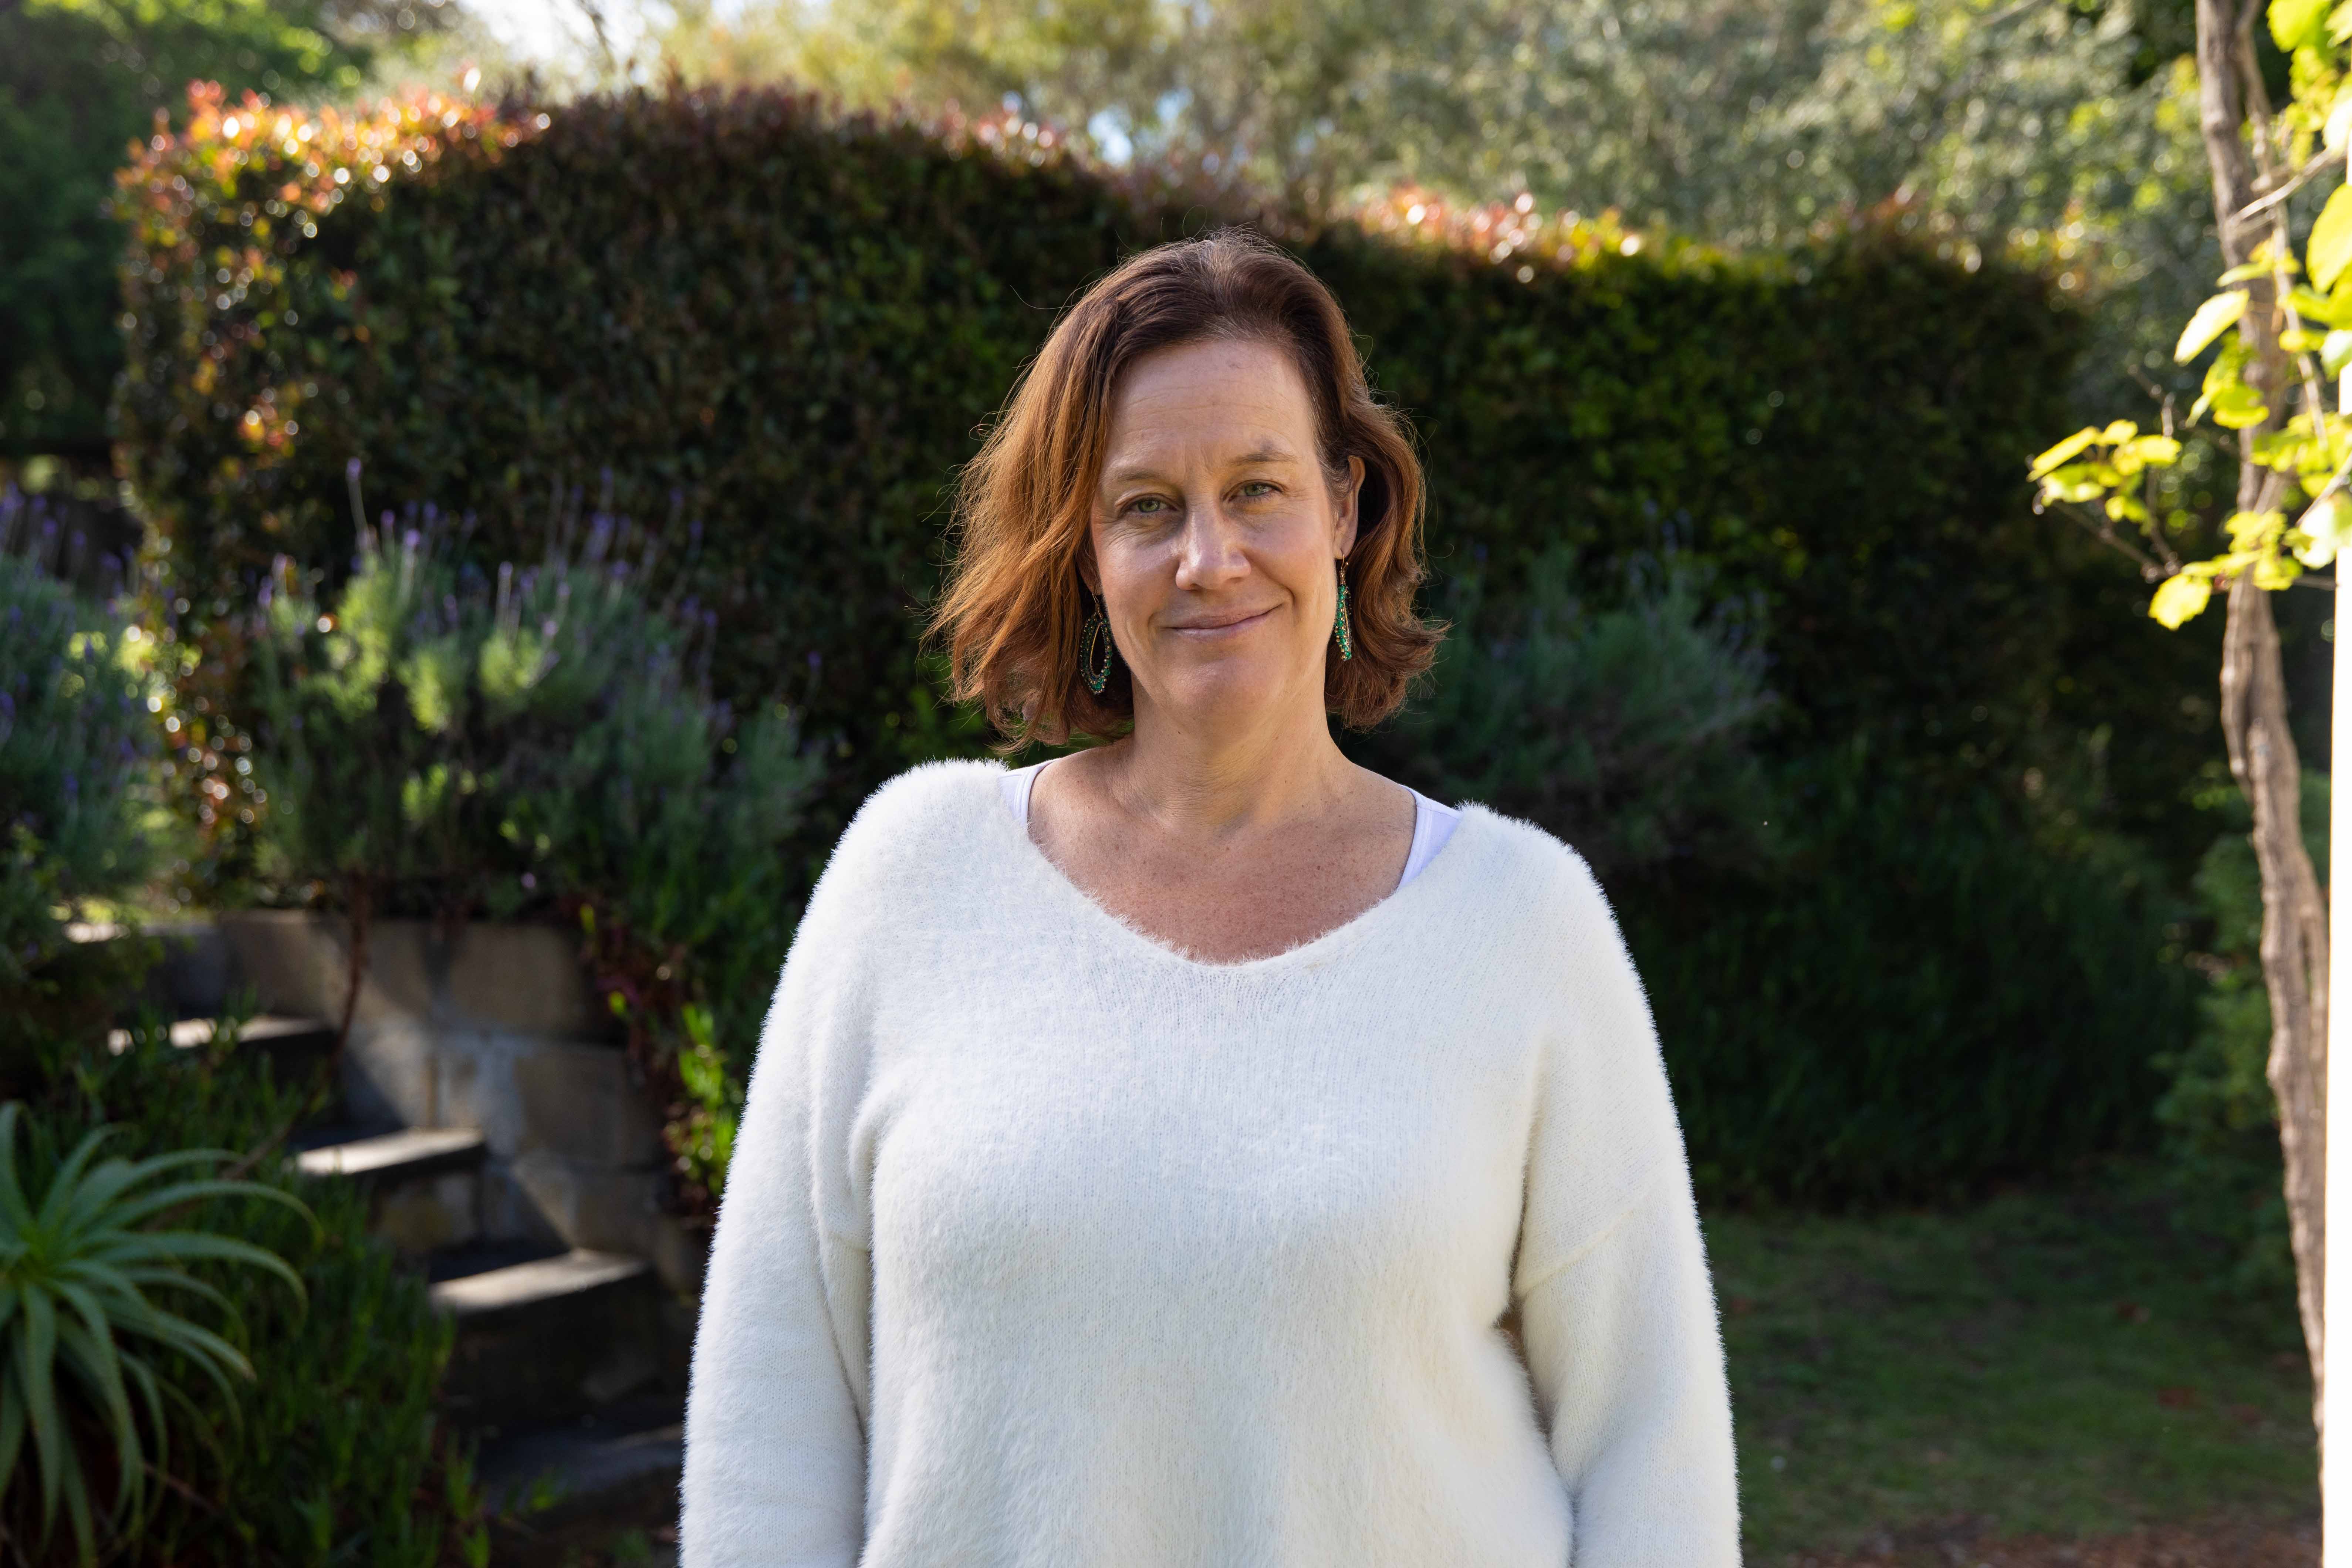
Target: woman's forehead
x,y
1244,400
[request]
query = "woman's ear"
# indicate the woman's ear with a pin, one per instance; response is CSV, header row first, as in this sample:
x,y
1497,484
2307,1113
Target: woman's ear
x,y
1088,573
1343,507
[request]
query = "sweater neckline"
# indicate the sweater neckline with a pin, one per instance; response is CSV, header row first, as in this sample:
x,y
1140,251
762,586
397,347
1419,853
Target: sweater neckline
x,y
1313,951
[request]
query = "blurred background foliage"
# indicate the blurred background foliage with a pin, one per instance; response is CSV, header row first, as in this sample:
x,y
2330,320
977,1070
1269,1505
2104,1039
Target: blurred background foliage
x,y
2062,129
80,81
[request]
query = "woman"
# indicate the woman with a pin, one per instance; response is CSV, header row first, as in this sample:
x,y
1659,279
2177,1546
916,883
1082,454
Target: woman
x,y
1147,1148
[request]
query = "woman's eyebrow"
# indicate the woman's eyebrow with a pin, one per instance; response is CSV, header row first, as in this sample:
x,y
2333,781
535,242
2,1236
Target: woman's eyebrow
x,y
1131,473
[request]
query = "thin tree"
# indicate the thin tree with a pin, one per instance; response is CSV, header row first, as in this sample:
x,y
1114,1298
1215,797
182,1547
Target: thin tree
x,y
2282,342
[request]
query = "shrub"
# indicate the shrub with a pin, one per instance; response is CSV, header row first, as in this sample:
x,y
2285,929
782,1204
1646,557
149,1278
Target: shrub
x,y
333,1452
79,803
1623,731
77,745
76,1265
1917,998
531,743
2218,1115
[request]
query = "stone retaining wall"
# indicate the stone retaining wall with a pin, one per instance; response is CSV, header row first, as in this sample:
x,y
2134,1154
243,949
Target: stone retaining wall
x,y
494,1027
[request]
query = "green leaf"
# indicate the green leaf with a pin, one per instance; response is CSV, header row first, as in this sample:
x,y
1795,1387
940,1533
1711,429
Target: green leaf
x,y
67,1179
35,1350
2075,482
2298,22
2062,451
2323,527
2277,571
2180,599
2247,272
2238,406
2331,240
2317,307
16,1214
2213,318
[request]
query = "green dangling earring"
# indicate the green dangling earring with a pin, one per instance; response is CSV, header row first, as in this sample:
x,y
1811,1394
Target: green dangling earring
x,y
1097,624
1340,616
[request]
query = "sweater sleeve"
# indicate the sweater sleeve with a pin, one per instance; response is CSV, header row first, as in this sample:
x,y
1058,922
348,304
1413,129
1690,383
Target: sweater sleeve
x,y
774,1471
1616,1307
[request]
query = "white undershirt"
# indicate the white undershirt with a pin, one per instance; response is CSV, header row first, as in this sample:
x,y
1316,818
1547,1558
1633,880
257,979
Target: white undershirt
x,y
1432,823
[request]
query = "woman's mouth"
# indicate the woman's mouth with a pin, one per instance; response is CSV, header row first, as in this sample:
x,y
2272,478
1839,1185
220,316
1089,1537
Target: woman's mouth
x,y
1223,628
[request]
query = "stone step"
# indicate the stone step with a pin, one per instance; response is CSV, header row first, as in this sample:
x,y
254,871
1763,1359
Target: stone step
x,y
269,1031
423,1183
549,1338
623,1462
294,1045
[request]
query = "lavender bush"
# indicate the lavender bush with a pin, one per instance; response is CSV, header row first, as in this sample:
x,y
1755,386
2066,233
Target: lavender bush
x,y
536,741
77,745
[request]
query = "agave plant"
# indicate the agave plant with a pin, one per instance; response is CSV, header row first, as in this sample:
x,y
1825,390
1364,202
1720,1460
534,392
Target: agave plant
x,y
76,1261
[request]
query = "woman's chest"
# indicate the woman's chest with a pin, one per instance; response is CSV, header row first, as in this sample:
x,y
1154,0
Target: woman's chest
x,y
1238,1140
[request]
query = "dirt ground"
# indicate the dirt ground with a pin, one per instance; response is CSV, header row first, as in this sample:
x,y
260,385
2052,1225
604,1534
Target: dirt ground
x,y
1960,1545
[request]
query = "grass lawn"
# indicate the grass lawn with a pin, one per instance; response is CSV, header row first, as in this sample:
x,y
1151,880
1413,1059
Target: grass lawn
x,y
2054,1362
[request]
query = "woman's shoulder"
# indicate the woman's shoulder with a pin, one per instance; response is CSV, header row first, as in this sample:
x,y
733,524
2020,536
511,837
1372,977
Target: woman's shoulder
x,y
928,794
910,819
1508,858
1522,898
919,839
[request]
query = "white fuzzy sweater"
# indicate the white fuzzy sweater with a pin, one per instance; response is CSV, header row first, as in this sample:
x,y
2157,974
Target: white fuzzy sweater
x,y
1046,1245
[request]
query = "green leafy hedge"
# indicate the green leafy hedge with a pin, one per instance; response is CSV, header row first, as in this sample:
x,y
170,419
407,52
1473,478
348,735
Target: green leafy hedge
x,y
770,334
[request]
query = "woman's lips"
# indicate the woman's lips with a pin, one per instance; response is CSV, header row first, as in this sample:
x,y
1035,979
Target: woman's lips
x,y
1206,633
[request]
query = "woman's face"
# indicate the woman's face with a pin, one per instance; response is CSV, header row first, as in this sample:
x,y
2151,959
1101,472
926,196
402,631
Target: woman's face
x,y
1217,533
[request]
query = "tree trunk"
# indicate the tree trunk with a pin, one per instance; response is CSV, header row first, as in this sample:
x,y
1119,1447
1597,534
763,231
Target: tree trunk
x,y
2294,934
2253,696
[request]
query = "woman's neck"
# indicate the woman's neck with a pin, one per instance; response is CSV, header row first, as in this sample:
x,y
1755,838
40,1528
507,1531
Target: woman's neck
x,y
1210,785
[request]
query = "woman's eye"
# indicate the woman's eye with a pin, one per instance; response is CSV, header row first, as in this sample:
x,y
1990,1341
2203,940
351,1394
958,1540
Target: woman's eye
x,y
1255,489
1150,506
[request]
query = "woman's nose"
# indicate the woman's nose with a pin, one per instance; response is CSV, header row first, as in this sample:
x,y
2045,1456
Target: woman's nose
x,y
1209,551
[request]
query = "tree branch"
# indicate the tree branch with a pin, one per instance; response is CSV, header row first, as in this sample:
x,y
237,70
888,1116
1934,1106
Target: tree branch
x,y
2320,162
2104,531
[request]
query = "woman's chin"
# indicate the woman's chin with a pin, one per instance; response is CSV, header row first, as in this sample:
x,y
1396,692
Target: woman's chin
x,y
1220,689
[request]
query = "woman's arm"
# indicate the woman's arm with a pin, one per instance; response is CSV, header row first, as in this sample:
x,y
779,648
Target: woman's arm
x,y
1628,1366
776,1436
1616,1308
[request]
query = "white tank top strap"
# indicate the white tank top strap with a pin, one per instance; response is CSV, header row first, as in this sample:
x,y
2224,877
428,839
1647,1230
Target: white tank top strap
x,y
1432,823
1017,785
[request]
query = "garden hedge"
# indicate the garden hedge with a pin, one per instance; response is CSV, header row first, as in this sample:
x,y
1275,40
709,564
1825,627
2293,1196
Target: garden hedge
x,y
770,334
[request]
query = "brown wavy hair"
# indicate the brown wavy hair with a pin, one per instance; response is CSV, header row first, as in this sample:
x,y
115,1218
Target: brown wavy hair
x,y
1012,603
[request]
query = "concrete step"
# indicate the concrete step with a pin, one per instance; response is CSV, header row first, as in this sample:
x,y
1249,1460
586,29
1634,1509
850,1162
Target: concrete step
x,y
624,1459
423,1183
549,1338
296,1046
